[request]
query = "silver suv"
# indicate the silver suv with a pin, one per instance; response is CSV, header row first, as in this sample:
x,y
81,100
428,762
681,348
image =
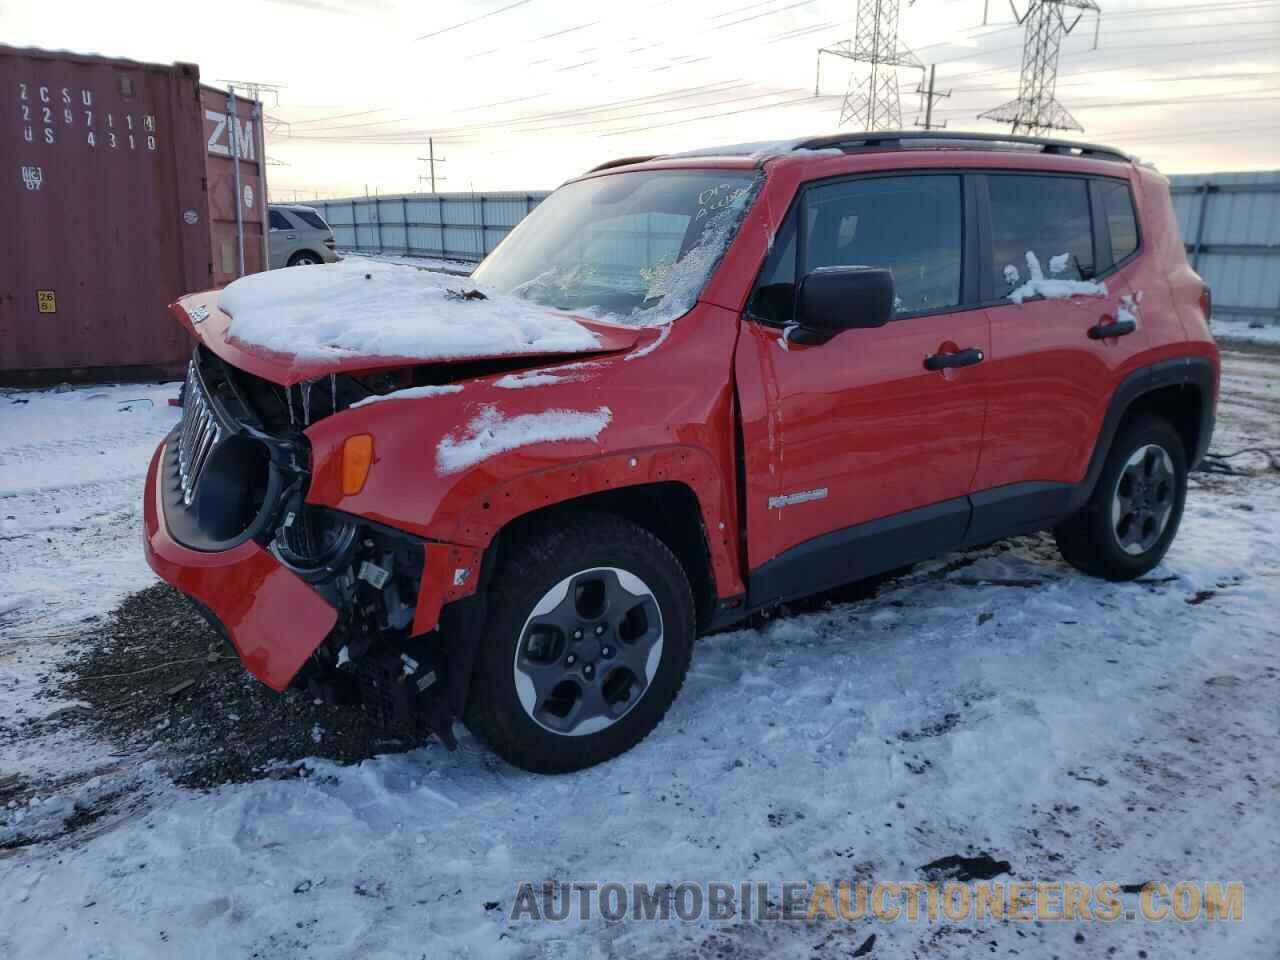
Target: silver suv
x,y
299,236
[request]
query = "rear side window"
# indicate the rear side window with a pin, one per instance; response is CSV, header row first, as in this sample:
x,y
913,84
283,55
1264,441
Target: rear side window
x,y
279,221
909,224
311,219
1122,225
1042,217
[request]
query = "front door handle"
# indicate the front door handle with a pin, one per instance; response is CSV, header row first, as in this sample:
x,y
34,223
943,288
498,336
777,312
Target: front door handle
x,y
1111,328
961,358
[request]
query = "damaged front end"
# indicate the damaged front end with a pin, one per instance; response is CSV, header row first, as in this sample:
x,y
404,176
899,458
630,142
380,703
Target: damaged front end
x,y
374,657
232,482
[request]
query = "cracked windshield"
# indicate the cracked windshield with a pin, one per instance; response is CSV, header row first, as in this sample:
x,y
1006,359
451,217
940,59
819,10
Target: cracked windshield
x,y
630,247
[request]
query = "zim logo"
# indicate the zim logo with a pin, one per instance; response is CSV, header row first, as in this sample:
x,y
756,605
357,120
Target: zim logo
x,y
224,133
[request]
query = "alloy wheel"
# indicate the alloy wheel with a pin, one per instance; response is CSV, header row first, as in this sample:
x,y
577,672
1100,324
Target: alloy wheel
x,y
1143,499
588,651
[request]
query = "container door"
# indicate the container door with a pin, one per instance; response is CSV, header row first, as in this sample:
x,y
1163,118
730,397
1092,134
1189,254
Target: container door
x,y
237,185
97,168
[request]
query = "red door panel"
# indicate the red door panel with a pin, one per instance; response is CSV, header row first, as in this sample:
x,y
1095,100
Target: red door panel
x,y
1050,380
856,429
1050,384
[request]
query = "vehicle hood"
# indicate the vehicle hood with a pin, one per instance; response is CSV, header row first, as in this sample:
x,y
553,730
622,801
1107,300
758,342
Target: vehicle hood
x,y
299,324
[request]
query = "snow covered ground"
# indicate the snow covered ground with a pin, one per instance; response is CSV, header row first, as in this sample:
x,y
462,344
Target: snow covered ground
x,y
995,701
1246,331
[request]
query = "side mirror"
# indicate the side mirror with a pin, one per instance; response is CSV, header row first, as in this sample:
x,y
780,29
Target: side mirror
x,y
834,299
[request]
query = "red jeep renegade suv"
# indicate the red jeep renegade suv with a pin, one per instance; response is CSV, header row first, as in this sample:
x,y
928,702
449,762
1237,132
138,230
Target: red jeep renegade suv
x,y
685,388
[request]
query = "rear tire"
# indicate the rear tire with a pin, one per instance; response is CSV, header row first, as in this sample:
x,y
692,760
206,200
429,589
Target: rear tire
x,y
587,643
304,258
1126,526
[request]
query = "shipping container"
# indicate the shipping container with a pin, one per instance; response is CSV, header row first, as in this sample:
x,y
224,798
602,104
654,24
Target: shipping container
x,y
237,184
123,185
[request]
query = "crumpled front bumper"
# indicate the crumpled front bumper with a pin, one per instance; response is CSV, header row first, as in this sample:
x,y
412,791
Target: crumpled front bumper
x,y
272,616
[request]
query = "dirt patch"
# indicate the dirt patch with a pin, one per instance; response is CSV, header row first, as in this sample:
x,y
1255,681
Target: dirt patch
x,y
957,867
156,678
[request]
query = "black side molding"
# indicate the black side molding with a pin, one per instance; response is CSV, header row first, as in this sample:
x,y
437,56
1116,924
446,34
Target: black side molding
x,y
1016,509
858,552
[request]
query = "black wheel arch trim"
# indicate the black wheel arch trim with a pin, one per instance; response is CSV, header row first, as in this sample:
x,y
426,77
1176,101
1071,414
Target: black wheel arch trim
x,y
1194,372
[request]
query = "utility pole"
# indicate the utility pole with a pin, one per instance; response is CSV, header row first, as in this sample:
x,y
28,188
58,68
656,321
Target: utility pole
x,y
873,102
1036,108
431,160
929,95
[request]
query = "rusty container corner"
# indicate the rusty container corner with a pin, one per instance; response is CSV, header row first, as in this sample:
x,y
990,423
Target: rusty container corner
x,y
117,191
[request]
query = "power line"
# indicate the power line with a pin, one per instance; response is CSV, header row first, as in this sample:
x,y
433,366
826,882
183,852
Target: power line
x,y
1232,96
711,116
674,95
767,13
561,33
339,116
618,118
467,23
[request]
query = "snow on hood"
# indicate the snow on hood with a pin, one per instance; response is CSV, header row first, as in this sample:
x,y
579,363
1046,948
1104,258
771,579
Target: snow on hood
x,y
369,309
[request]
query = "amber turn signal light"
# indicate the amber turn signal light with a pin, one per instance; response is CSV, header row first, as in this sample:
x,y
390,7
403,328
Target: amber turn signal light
x,y
357,458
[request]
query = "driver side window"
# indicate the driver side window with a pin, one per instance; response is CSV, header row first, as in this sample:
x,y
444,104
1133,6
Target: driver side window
x,y
912,225
909,224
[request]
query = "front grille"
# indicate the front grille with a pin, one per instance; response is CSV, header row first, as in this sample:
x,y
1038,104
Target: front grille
x,y
200,432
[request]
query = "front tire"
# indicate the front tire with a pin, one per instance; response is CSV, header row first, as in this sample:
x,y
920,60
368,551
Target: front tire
x,y
1126,527
587,643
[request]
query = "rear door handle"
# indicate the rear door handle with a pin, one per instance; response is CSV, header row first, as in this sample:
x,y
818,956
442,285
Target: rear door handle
x,y
1111,328
961,358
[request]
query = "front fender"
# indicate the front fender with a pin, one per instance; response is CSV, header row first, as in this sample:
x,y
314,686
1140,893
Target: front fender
x,y
669,419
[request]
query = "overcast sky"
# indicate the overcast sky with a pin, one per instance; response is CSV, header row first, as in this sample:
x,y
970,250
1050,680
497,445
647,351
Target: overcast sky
x,y
522,94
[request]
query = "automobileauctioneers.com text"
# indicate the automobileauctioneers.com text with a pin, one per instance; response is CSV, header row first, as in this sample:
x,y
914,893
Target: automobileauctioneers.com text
x,y
950,901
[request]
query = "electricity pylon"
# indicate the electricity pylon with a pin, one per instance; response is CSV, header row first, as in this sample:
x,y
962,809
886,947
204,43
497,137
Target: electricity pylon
x,y
872,102
1036,109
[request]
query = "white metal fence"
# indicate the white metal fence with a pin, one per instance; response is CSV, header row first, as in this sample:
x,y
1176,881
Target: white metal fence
x,y
1230,223
451,226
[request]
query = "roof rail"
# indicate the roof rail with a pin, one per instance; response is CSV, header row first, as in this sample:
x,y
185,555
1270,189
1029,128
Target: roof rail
x,y
621,162
899,139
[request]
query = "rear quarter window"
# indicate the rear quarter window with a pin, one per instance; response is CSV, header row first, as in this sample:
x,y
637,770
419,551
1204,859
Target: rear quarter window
x,y
311,219
1122,224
